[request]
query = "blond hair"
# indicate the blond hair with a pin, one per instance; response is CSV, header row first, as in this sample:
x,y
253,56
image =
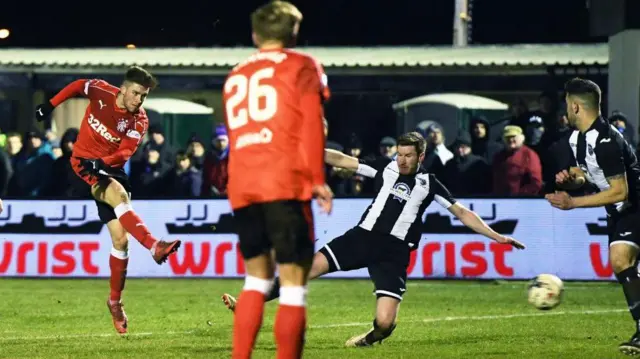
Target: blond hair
x,y
276,20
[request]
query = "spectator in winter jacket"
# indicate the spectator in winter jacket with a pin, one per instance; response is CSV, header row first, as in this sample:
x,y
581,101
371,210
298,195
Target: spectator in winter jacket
x,y
466,174
32,166
158,142
516,169
62,175
437,154
197,152
481,143
149,177
186,180
620,122
214,170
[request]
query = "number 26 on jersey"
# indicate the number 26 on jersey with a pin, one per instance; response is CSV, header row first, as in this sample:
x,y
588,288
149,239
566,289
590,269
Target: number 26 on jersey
x,y
261,99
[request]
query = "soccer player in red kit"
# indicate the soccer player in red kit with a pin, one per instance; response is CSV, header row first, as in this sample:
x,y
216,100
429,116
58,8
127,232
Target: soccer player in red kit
x,y
273,106
111,130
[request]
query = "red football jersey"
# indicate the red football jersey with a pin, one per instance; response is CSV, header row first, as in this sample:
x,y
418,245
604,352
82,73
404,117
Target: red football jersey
x,y
273,111
107,131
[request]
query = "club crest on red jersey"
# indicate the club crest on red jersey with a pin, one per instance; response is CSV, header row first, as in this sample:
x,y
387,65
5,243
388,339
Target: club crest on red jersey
x,y
122,125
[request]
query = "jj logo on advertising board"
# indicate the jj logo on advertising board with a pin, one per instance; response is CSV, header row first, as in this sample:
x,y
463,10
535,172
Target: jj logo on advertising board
x,y
199,213
59,219
205,257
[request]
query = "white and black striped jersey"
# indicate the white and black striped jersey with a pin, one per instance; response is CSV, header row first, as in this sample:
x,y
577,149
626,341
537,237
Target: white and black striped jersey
x,y
601,152
401,200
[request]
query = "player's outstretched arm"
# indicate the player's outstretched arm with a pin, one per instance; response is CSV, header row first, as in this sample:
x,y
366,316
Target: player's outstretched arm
x,y
469,218
472,220
339,159
76,88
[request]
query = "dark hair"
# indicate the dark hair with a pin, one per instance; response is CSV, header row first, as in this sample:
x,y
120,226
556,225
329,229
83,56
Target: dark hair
x,y
275,21
182,155
414,139
587,90
137,74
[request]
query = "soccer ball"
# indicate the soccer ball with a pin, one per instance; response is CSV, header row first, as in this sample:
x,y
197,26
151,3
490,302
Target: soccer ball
x,y
545,291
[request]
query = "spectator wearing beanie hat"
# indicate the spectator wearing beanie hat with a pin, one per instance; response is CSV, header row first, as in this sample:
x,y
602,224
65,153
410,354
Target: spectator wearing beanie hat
x,y
214,171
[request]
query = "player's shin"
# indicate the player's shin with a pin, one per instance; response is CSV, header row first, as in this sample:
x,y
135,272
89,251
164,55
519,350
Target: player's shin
x,y
134,225
290,323
630,281
379,333
118,261
248,315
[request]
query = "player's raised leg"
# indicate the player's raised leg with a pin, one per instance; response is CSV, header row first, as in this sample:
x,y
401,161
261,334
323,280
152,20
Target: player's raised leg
x,y
111,192
319,267
622,256
118,261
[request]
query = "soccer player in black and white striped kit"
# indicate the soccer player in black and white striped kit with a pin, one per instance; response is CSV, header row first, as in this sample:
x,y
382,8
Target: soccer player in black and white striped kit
x,y
602,157
388,230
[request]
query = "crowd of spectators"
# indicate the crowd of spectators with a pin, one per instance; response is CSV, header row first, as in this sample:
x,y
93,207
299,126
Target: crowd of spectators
x,y
531,149
523,162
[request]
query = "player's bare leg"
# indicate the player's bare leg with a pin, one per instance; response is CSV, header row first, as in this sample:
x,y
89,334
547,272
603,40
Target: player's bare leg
x,y
250,306
291,318
118,261
113,193
319,268
383,325
622,257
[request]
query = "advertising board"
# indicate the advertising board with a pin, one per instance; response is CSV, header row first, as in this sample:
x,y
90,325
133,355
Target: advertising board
x,y
66,239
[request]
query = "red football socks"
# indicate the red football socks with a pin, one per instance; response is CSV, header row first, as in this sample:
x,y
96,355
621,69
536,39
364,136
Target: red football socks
x,y
290,325
118,261
247,322
134,225
291,322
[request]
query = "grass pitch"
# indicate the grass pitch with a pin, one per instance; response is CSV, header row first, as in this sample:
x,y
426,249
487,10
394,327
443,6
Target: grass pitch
x,y
176,318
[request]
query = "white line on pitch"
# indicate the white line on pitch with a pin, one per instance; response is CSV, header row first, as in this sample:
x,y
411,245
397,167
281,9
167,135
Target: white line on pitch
x,y
321,326
479,317
508,285
89,335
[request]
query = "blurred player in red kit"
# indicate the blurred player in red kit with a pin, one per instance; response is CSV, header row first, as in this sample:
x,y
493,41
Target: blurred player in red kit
x,y
111,131
273,105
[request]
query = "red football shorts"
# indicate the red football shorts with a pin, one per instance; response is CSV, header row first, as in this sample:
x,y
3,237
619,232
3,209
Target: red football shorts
x,y
75,165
